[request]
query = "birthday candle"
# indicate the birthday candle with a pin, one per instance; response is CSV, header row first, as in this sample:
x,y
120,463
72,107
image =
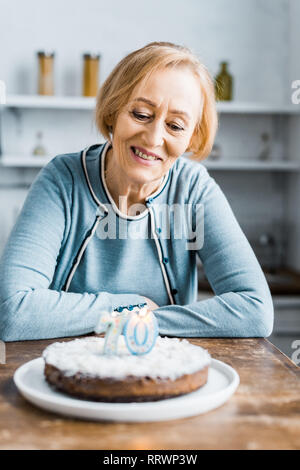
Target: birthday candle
x,y
141,331
113,324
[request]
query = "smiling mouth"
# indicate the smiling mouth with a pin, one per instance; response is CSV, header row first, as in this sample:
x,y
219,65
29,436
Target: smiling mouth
x,y
145,155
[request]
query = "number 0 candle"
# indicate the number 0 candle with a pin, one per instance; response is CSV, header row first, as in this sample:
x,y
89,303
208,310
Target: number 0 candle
x,y
141,331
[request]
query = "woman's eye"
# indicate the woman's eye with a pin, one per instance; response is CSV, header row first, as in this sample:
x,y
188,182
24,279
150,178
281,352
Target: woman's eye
x,y
144,117
175,127
140,116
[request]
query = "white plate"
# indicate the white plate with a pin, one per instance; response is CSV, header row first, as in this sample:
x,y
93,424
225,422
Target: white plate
x,y
222,382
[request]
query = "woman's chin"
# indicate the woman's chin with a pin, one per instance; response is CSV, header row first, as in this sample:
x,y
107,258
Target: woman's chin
x,y
142,175
145,179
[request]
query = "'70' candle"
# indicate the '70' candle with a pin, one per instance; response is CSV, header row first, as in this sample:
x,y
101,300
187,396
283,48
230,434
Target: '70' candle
x,y
140,330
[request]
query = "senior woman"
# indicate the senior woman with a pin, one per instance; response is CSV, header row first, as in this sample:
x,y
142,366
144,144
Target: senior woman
x,y
98,231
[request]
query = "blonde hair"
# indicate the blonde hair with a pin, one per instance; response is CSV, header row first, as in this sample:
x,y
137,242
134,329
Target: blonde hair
x,y
115,92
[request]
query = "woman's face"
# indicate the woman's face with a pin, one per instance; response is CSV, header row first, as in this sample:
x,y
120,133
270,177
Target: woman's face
x,y
157,124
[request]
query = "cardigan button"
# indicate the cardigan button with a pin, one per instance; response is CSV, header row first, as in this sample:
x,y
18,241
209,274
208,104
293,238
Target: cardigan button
x,y
150,200
174,291
158,230
165,260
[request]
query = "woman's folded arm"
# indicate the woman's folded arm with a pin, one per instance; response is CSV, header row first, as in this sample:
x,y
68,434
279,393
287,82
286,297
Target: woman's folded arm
x,y
233,314
242,305
29,309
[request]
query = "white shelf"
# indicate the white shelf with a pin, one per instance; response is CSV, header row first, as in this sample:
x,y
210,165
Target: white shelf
x,y
252,165
229,165
236,107
80,102
50,102
22,161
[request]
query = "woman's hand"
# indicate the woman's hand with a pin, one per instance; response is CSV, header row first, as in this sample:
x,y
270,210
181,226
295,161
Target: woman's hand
x,y
151,305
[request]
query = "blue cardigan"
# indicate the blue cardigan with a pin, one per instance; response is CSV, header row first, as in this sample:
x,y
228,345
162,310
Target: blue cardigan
x,y
61,267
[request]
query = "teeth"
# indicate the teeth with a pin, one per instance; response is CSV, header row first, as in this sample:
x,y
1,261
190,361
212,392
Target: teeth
x,y
142,155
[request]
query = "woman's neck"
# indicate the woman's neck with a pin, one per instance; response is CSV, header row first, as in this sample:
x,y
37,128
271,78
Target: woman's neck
x,y
125,192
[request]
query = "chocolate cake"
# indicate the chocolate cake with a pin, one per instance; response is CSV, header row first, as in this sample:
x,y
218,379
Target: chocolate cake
x,y
80,368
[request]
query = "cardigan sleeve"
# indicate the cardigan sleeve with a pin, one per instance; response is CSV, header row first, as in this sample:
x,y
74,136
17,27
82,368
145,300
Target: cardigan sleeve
x,y
29,308
242,305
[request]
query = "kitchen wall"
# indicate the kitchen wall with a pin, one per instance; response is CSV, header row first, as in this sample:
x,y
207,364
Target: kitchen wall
x,y
246,32
253,35
293,201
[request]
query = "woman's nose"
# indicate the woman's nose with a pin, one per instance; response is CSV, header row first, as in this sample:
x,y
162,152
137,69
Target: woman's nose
x,y
155,134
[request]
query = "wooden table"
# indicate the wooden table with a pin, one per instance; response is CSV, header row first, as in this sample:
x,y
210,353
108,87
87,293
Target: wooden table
x,y
264,413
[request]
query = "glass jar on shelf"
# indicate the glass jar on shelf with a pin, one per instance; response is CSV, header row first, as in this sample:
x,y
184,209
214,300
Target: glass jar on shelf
x,y
46,73
39,149
90,74
265,152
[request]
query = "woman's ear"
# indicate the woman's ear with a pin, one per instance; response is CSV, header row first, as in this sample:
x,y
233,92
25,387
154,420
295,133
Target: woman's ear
x,y
192,140
109,120
109,124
